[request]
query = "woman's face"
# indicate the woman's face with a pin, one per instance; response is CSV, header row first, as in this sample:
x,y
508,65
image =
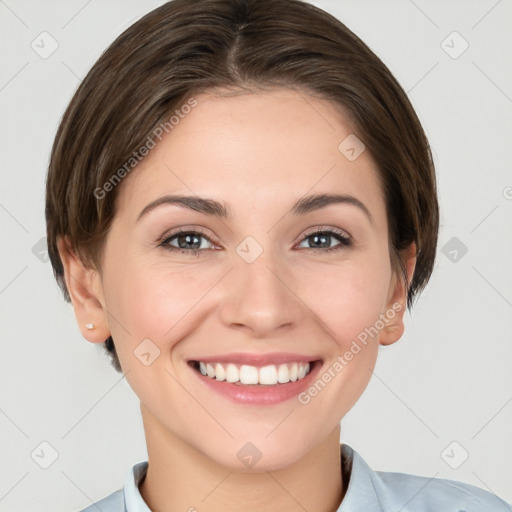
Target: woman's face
x,y
260,282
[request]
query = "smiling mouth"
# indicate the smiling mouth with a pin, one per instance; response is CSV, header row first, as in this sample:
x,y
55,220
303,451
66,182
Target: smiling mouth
x,y
247,375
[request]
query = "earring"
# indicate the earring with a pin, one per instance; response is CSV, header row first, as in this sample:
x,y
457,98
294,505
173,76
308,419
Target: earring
x,y
90,326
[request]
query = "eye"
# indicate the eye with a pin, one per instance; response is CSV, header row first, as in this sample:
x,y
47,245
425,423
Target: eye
x,y
188,242
321,240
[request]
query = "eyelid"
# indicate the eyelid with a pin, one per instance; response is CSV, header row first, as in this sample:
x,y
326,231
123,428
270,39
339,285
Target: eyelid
x,y
316,229
187,229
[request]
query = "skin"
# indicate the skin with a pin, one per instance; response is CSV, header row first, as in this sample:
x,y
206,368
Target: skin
x,y
258,153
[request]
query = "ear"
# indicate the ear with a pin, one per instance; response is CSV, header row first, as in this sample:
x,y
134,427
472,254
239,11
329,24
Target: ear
x,y
393,315
84,286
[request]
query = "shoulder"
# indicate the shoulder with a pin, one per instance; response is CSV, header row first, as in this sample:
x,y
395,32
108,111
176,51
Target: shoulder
x,y
127,497
386,491
421,493
112,503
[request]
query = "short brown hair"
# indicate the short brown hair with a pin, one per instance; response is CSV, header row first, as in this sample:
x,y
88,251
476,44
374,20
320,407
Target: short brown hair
x,y
186,47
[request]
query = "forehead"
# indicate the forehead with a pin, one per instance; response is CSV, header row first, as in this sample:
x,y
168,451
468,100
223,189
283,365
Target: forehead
x,y
253,150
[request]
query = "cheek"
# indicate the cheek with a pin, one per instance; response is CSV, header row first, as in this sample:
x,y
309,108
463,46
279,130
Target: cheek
x,y
153,301
347,301
347,298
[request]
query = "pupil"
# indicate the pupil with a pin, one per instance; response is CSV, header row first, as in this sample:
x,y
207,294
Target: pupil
x,y
187,239
319,237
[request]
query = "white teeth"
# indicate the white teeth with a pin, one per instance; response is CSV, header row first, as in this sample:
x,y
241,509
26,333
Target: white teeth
x,y
220,374
268,375
210,371
293,372
246,375
283,374
232,373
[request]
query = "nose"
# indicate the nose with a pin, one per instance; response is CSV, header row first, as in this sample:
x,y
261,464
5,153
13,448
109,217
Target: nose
x,y
259,297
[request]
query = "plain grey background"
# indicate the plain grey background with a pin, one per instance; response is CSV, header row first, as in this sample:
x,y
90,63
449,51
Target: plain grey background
x,y
440,401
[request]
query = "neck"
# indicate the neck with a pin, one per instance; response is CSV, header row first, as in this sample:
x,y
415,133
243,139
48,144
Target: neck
x,y
179,477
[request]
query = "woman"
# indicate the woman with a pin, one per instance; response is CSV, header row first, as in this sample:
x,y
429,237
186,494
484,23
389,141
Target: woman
x,y
241,204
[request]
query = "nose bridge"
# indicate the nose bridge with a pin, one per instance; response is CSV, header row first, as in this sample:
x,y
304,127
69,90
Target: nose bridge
x,y
259,295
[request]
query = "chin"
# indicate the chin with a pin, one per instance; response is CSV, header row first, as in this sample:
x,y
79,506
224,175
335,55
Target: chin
x,y
257,456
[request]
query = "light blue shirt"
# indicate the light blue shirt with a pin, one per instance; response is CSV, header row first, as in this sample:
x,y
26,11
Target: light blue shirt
x,y
368,491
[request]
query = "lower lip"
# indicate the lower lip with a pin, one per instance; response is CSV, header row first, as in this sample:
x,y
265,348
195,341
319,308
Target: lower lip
x,y
260,394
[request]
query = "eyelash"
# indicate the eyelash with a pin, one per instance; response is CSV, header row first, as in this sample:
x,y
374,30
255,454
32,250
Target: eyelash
x,y
343,238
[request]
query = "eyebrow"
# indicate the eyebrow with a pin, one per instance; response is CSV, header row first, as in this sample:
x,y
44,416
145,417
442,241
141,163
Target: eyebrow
x,y
216,209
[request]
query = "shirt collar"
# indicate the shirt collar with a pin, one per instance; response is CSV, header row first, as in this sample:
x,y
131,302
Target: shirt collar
x,y
361,493
364,490
133,501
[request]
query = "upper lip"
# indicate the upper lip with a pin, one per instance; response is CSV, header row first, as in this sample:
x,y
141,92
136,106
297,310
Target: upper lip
x,y
257,359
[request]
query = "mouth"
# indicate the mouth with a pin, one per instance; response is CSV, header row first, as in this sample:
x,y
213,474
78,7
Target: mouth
x,y
255,376
255,379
